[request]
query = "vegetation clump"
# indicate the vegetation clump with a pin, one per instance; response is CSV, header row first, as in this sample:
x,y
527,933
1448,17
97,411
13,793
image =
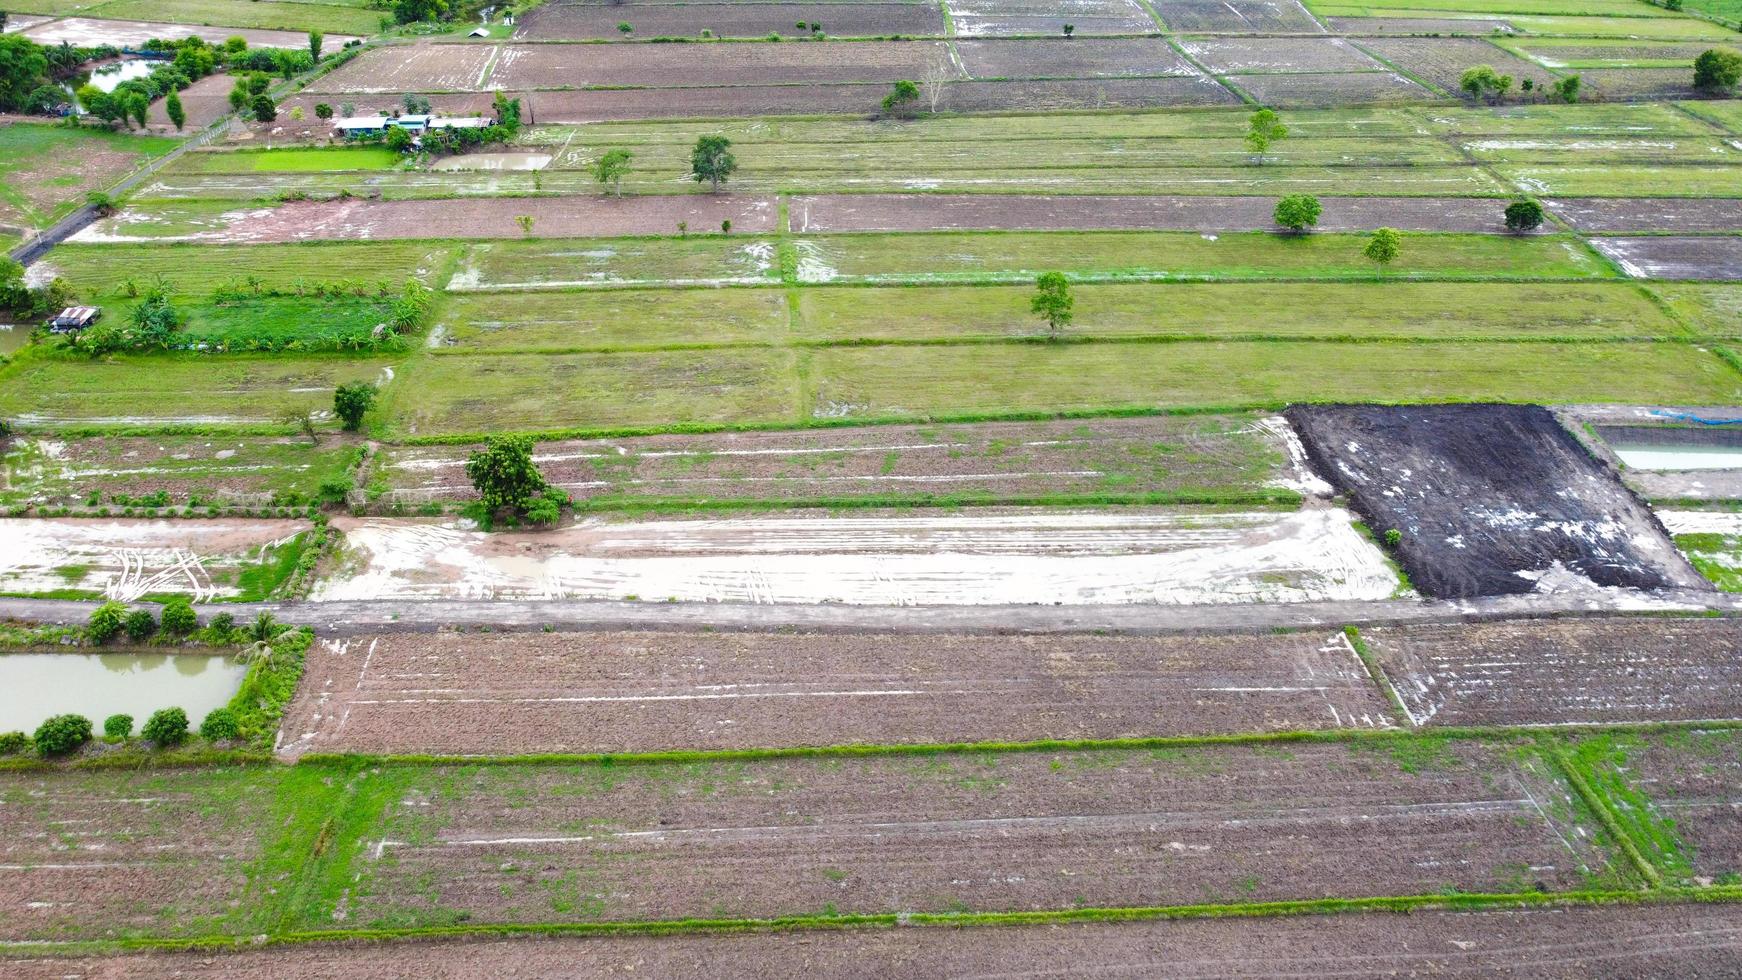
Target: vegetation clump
x,y
220,726
1298,212
167,727
106,621
118,727
1717,71
62,734
1523,216
14,743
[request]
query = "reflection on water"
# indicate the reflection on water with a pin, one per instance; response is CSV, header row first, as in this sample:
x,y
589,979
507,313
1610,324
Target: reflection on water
x,y
1680,457
13,336
34,686
109,76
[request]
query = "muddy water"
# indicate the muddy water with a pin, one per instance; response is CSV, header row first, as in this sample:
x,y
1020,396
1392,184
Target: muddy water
x,y
494,161
34,686
13,336
1641,457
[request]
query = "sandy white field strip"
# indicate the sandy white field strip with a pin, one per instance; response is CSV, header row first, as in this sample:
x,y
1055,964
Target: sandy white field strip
x,y
127,559
1166,557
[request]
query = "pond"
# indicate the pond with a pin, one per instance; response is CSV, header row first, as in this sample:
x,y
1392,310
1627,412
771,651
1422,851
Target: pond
x,y
1675,447
109,76
13,336
35,686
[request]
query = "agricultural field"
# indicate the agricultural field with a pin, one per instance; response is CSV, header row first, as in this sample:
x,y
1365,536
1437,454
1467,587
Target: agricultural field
x,y
335,17
126,560
45,171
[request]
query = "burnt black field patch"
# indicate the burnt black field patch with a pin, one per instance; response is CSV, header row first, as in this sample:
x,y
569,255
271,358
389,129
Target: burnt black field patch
x,y
1489,499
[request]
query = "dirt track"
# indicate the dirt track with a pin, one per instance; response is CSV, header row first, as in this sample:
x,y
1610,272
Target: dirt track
x,y
503,694
1615,943
1610,671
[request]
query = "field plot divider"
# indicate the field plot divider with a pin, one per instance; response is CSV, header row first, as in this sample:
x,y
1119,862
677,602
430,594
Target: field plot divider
x,y
1155,15
1357,646
1399,69
1569,768
1173,42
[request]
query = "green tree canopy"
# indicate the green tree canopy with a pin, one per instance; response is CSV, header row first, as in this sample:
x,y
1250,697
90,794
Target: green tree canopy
x,y
1264,129
1717,70
1298,212
711,160
504,475
1053,301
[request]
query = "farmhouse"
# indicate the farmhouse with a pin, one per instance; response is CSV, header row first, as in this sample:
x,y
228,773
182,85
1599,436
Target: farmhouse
x,y
356,126
74,318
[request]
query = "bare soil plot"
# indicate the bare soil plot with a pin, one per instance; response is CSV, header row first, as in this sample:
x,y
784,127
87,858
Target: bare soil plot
x,y
251,470
116,854
1237,16
127,559
1577,54
357,219
1561,673
506,694
205,102
86,32
1249,55
1490,499
1061,58
1639,83
1363,26
1664,257
1205,455
1331,90
1650,214
1164,556
1046,18
1110,93
1689,784
539,66
971,832
966,212
574,22
696,260
415,68
1617,942
1441,60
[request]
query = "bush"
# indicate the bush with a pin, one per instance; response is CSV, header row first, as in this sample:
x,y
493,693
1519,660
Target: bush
x,y
179,618
62,734
220,726
140,625
1717,71
105,622
166,727
1298,212
1525,215
351,402
12,743
118,726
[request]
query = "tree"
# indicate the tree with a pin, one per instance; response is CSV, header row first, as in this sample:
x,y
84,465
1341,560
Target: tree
x,y
712,161
23,69
1383,247
62,734
1483,80
1053,302
1717,71
525,223
315,40
172,107
263,108
137,106
625,28
101,104
932,84
166,727
351,402
726,226
504,474
1566,89
1298,212
901,97
1523,216
141,625
323,110
1070,29
416,104
1264,129
611,168
397,139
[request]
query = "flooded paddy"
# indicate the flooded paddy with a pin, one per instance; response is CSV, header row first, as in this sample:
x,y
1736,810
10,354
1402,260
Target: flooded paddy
x,y
35,686
1674,448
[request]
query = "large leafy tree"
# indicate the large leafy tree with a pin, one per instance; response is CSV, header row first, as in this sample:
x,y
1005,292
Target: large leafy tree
x,y
711,160
504,474
23,68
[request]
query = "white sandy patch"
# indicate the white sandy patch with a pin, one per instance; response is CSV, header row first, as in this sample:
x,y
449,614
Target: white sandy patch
x,y
1166,557
1701,521
1300,476
125,559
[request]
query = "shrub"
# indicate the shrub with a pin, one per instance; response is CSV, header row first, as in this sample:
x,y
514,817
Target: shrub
x,y
118,726
166,727
220,726
1525,215
179,618
62,734
12,743
1717,70
351,402
140,625
105,622
1298,212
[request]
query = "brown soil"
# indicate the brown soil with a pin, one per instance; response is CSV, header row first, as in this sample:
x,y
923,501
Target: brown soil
x,y
205,101
1694,781
1614,943
508,694
1277,54
413,68
1237,16
946,212
1331,90
1062,58
1715,258
105,855
1614,84
357,219
748,63
1549,673
1663,214
1442,60
969,832
573,22
1164,454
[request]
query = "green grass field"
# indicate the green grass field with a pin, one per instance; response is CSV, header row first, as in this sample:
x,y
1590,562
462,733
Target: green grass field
x,y
101,272
286,15
299,160
46,170
1715,309
711,258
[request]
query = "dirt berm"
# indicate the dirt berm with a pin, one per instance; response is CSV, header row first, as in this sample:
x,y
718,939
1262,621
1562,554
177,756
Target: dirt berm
x,y
1489,499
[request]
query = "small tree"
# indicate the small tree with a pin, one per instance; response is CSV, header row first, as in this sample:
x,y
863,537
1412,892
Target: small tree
x,y
141,625
504,474
711,160
726,226
397,139
323,110
1483,81
62,734
220,726
263,108
166,727
1383,247
611,169
179,618
1566,89
1070,29
525,223
351,402
315,41
1523,216
12,743
106,621
416,104
901,98
625,28
138,107
172,108
1717,71
932,84
1298,212
118,726
1053,302
1264,129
